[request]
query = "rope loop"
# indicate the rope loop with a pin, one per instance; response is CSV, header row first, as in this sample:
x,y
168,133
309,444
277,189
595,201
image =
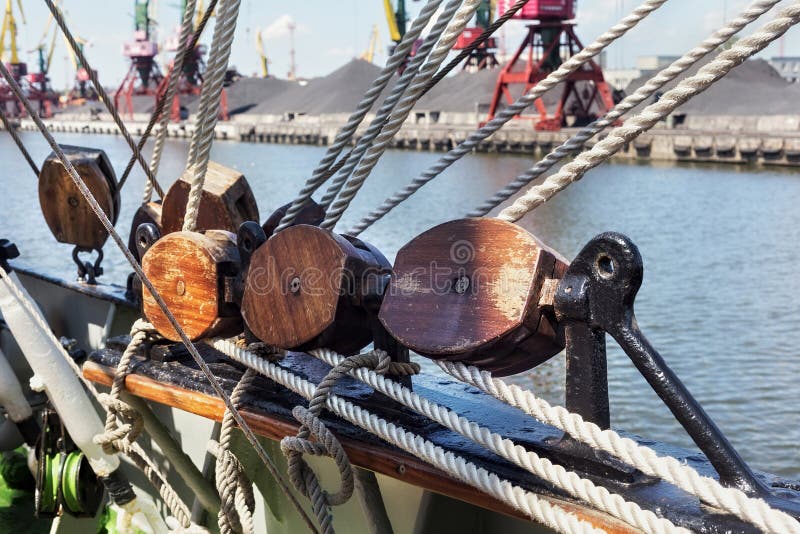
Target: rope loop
x,y
129,424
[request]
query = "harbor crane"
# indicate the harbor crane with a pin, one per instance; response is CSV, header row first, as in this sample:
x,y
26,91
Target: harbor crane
x,y
262,56
369,53
483,57
549,41
143,75
397,19
18,69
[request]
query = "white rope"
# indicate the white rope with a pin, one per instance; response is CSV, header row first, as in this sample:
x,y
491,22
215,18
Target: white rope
x,y
644,92
516,497
734,501
323,170
388,106
172,87
509,112
376,150
645,120
580,488
208,110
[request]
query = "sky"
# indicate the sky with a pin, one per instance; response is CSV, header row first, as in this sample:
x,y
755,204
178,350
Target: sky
x,y
331,32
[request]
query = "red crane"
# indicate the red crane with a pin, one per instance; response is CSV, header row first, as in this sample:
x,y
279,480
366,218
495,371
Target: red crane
x,y
143,75
549,42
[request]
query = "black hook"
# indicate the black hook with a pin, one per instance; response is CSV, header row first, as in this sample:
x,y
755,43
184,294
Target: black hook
x,y
88,272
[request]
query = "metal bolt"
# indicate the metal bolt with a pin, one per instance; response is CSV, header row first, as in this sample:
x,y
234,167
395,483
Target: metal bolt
x,y
294,285
461,285
72,201
180,287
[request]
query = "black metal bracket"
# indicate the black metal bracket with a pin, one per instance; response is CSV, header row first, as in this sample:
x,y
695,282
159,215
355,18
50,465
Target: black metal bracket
x,y
8,251
596,296
88,272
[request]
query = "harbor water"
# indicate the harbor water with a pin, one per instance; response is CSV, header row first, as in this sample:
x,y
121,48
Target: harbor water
x,y
721,246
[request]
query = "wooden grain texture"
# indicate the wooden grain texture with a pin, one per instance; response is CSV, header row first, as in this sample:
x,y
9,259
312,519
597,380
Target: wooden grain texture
x,y
384,460
66,211
226,202
186,269
468,290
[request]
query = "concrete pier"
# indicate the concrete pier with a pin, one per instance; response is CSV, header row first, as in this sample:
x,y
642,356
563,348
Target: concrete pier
x,y
741,140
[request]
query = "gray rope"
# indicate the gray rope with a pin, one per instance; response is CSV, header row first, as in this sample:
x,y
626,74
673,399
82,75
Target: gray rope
x,y
15,136
326,167
301,475
160,104
382,116
98,87
644,92
449,26
685,90
509,112
210,96
148,284
232,482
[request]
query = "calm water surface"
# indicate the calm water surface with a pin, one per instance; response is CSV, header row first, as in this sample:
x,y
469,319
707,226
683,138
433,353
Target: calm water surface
x,y
721,294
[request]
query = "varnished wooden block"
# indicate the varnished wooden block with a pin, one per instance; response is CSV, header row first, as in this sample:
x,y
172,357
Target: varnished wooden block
x,y
468,290
227,201
308,288
194,275
65,209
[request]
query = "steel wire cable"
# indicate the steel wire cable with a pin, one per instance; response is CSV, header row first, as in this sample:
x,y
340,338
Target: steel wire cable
x,y
190,347
509,112
448,27
644,92
328,166
101,92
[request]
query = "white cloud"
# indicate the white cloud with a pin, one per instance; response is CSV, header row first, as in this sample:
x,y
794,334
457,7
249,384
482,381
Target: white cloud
x,y
280,27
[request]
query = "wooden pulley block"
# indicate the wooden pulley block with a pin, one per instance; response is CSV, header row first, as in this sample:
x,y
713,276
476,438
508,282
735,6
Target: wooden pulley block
x,y
148,213
195,274
227,201
66,211
469,290
308,288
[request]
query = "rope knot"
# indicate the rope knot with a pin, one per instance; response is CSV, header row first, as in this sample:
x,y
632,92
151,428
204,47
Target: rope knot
x,y
128,424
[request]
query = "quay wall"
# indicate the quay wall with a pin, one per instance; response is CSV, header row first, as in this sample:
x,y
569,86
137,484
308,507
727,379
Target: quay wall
x,y
767,140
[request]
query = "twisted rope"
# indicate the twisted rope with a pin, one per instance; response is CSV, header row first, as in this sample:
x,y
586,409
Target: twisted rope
x,y
528,503
644,92
752,510
580,488
326,168
385,111
653,113
509,112
235,489
448,38
18,141
301,475
208,110
190,347
101,92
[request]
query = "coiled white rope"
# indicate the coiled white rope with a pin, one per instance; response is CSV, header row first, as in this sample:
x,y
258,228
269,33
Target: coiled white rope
x,y
509,112
645,120
516,497
208,110
734,501
384,115
580,488
575,143
325,167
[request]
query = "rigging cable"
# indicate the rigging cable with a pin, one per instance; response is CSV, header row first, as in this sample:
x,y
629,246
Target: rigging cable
x,y
647,118
509,112
190,347
208,109
376,149
326,167
76,49
755,10
18,141
389,104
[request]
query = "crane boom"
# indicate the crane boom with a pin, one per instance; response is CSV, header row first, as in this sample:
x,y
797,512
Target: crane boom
x,y
369,53
262,55
391,18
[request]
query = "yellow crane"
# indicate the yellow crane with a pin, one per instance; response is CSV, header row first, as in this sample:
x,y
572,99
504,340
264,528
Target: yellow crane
x,y
9,29
369,53
261,55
